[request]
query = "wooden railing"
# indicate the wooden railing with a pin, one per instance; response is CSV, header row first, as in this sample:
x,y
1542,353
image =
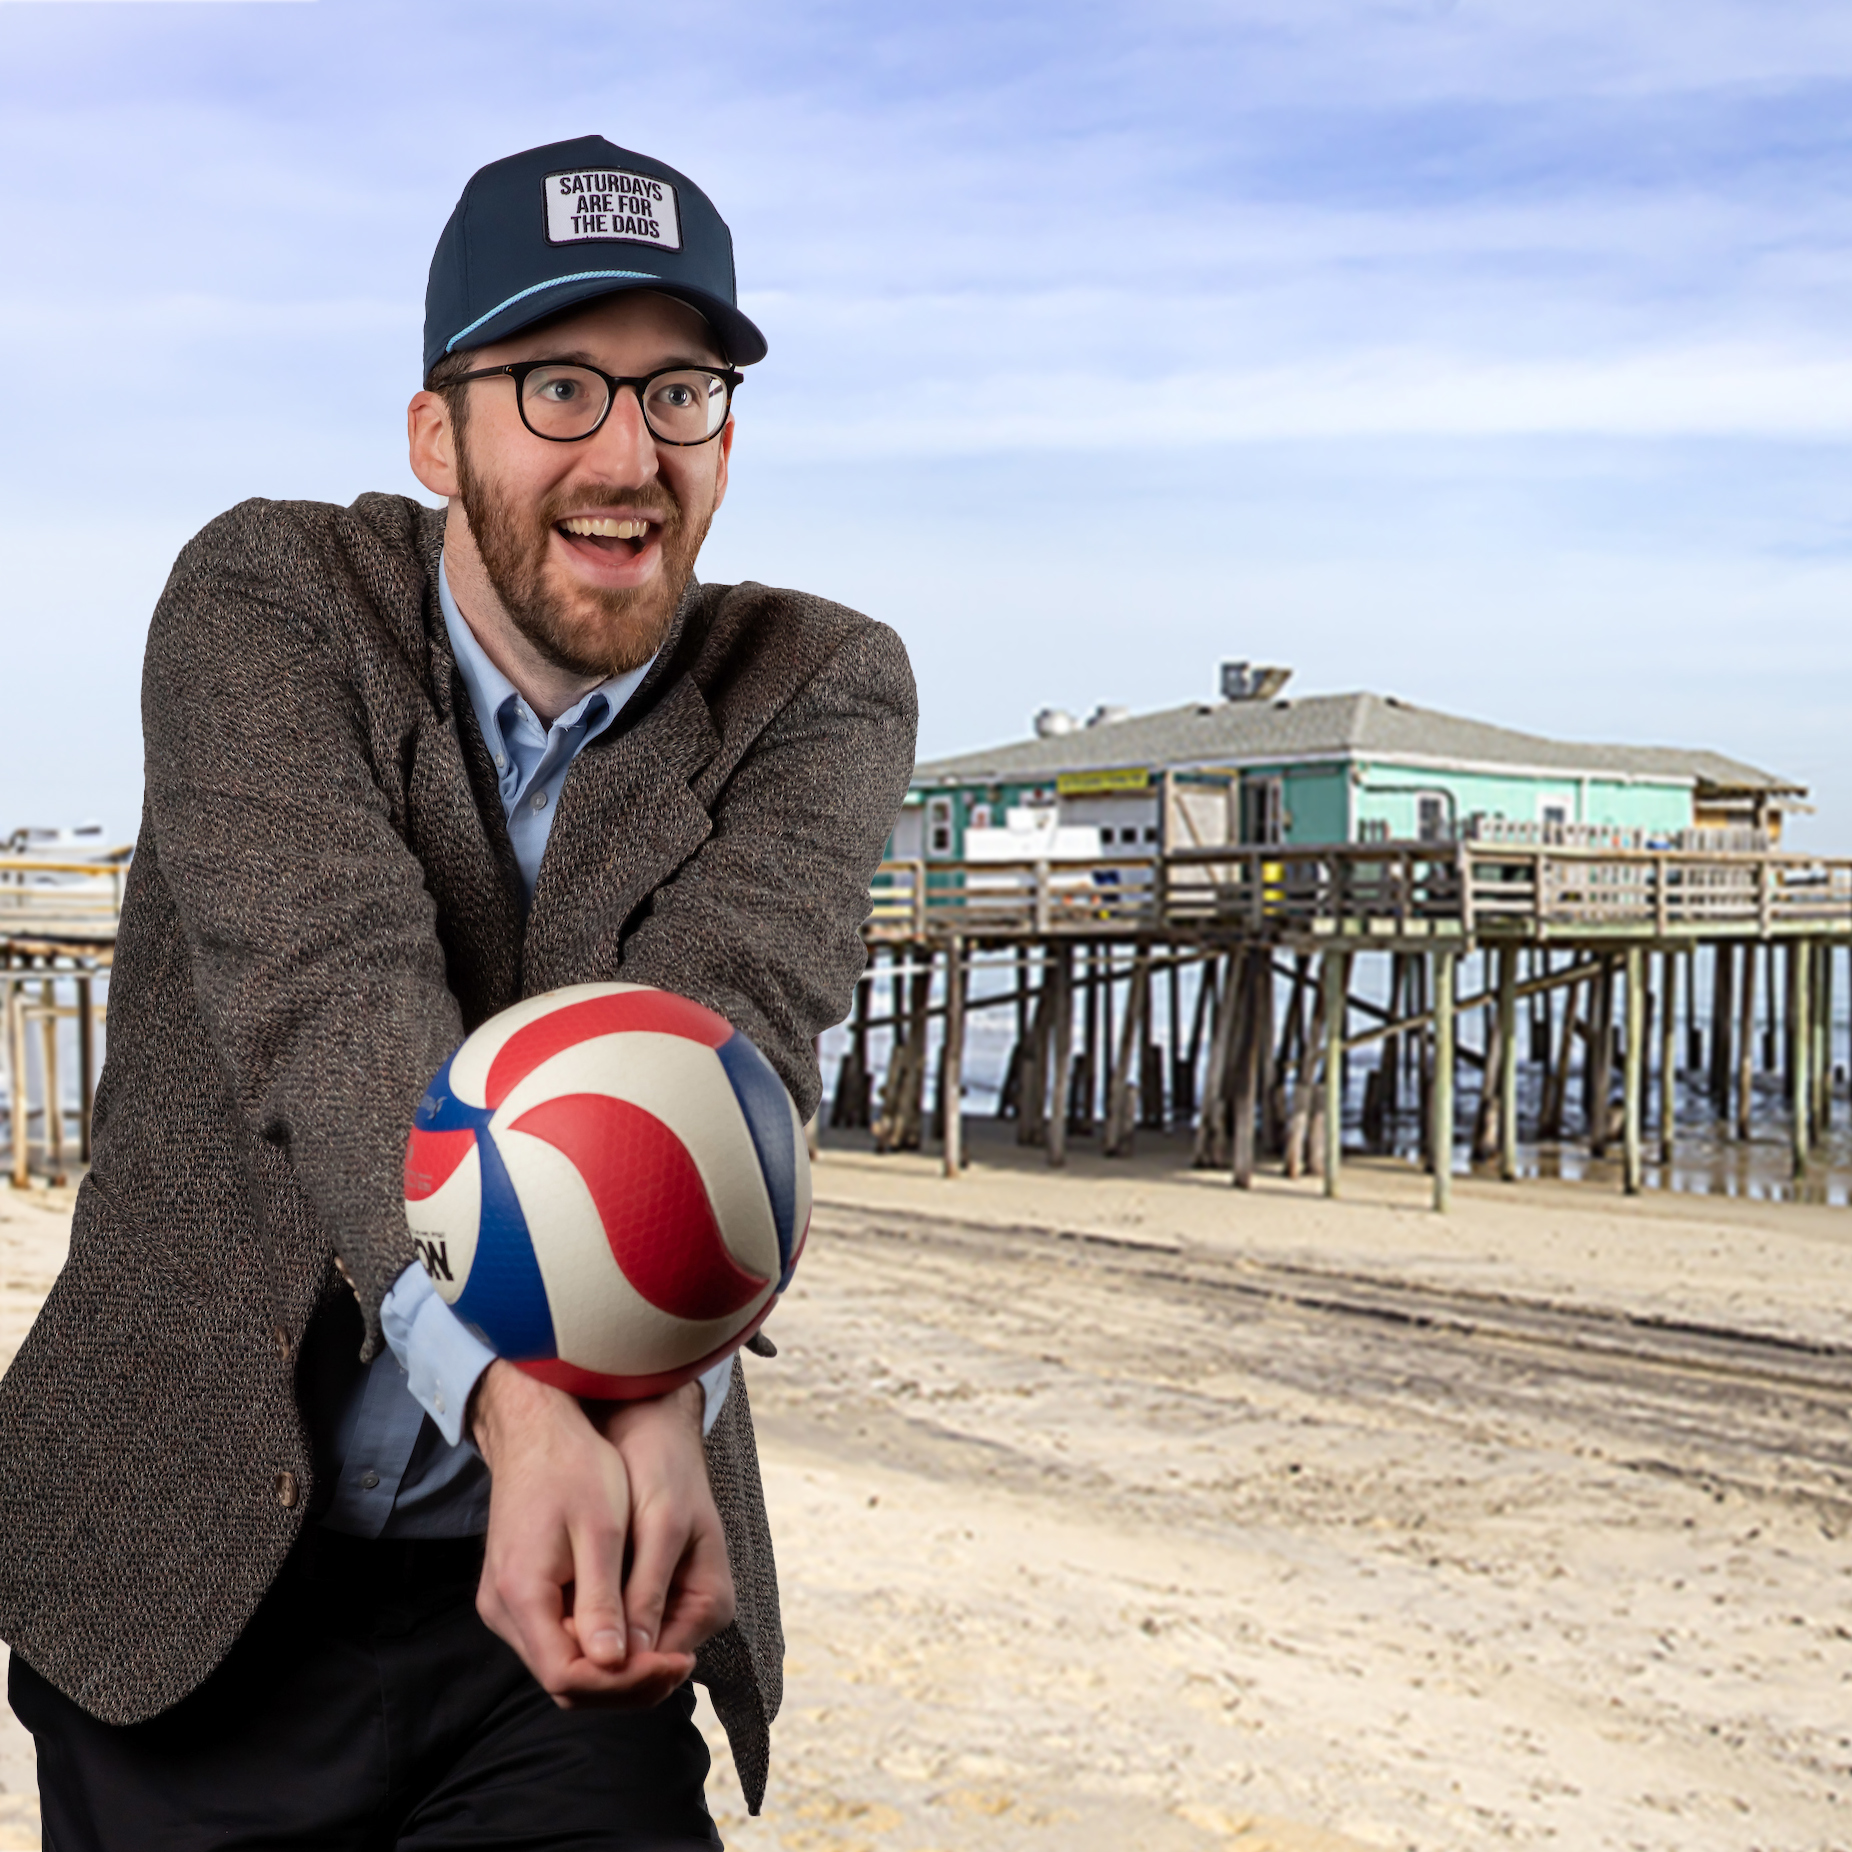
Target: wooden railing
x,y
1415,887
912,899
60,899
1489,889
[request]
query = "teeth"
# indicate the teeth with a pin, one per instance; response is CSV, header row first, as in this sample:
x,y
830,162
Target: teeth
x,y
606,529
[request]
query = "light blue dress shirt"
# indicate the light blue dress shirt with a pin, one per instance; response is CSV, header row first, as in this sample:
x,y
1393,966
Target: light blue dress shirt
x,y
403,1468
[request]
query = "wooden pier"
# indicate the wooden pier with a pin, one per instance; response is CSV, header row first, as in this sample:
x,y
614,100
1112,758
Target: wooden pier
x,y
1588,948
57,942
1223,991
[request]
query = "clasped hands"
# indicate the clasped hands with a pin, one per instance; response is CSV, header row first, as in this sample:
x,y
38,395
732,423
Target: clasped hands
x,y
606,1565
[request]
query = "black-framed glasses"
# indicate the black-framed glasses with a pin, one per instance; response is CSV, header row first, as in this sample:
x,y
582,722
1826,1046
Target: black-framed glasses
x,y
565,402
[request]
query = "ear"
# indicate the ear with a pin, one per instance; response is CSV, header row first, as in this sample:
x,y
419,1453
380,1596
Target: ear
x,y
725,444
432,440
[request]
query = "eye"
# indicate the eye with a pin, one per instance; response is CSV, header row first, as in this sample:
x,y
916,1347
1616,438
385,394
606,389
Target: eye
x,y
557,391
676,395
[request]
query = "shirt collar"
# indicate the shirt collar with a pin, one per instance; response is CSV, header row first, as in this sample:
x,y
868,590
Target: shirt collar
x,y
490,690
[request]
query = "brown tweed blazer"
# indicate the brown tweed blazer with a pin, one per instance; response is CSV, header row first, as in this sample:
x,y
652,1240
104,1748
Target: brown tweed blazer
x,y
322,903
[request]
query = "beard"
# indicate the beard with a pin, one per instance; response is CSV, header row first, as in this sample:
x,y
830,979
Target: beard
x,y
581,629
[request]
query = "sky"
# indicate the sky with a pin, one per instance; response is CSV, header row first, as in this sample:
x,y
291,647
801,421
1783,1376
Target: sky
x,y
1492,355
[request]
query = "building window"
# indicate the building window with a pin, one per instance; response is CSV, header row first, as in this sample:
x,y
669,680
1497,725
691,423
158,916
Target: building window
x,y
1151,832
1431,818
938,826
1263,810
980,816
1555,815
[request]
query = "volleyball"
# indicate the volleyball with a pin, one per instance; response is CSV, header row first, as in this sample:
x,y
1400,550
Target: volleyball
x,y
611,1185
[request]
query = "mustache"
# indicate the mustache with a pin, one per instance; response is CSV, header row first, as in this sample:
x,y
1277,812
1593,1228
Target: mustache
x,y
653,498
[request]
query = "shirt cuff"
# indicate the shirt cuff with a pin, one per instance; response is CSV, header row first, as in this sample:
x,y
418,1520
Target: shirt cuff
x,y
714,1385
440,1355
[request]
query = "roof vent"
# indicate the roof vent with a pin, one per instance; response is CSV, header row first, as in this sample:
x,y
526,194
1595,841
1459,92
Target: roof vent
x,y
1107,714
1252,681
1052,722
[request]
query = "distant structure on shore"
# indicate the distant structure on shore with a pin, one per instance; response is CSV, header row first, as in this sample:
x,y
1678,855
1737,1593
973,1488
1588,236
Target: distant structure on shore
x,y
60,842
1260,767
60,896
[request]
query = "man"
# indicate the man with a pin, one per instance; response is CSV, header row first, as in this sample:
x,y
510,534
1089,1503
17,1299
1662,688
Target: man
x,y
405,767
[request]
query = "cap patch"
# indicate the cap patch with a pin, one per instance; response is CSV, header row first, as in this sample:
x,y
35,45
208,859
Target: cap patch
x,y
601,205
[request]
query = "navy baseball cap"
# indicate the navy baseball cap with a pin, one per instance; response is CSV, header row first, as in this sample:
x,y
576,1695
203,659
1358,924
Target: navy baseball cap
x,y
564,224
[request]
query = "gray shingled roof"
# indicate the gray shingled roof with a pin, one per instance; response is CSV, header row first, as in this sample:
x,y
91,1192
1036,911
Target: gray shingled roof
x,y
1360,725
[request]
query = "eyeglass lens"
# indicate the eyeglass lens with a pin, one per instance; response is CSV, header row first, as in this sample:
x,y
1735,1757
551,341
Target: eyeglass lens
x,y
685,407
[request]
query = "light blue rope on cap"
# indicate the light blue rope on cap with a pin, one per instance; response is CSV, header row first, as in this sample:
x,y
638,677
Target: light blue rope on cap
x,y
578,276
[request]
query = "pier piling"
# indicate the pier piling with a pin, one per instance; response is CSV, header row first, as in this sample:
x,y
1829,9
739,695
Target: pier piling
x,y
952,1056
1668,1055
1800,1065
1507,1063
1723,960
1746,1041
1060,980
1633,1072
1441,1114
1336,976
1251,986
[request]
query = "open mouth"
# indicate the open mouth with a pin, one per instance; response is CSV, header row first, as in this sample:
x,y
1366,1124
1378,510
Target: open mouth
x,y
609,535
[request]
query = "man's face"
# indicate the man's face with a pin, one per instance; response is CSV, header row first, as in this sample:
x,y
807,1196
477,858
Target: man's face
x,y
589,601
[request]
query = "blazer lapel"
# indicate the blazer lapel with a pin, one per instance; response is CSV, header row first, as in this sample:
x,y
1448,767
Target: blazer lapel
x,y
458,832
626,821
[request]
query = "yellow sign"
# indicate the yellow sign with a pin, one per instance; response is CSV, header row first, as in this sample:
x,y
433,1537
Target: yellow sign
x,y
1119,778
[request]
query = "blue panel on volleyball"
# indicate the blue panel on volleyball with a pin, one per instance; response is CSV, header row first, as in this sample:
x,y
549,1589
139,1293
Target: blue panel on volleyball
x,y
767,1107
504,1297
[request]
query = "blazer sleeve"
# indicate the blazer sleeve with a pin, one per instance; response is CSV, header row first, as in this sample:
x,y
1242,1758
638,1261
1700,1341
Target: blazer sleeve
x,y
316,962
763,923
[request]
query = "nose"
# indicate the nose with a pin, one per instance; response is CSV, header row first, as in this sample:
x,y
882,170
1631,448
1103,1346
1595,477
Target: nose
x,y
622,449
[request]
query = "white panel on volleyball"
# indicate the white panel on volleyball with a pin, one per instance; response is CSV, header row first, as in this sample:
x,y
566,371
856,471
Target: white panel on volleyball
x,y
449,1220
683,1084
600,1321
469,1070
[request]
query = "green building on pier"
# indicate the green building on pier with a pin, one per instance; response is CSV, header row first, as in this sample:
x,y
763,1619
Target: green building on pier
x,y
1261,767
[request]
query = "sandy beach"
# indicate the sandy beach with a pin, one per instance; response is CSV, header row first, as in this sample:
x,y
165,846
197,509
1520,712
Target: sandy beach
x,y
1118,1509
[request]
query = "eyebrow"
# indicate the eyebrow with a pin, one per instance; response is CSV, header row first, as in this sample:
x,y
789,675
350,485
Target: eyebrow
x,y
580,357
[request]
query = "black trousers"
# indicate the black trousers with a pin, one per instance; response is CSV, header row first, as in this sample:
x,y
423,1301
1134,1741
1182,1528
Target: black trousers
x,y
367,1707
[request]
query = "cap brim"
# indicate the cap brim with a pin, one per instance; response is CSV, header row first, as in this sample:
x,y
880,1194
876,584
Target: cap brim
x,y
740,340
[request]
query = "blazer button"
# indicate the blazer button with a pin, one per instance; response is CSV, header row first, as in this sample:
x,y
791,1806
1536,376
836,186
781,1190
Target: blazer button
x,y
281,1338
286,1490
